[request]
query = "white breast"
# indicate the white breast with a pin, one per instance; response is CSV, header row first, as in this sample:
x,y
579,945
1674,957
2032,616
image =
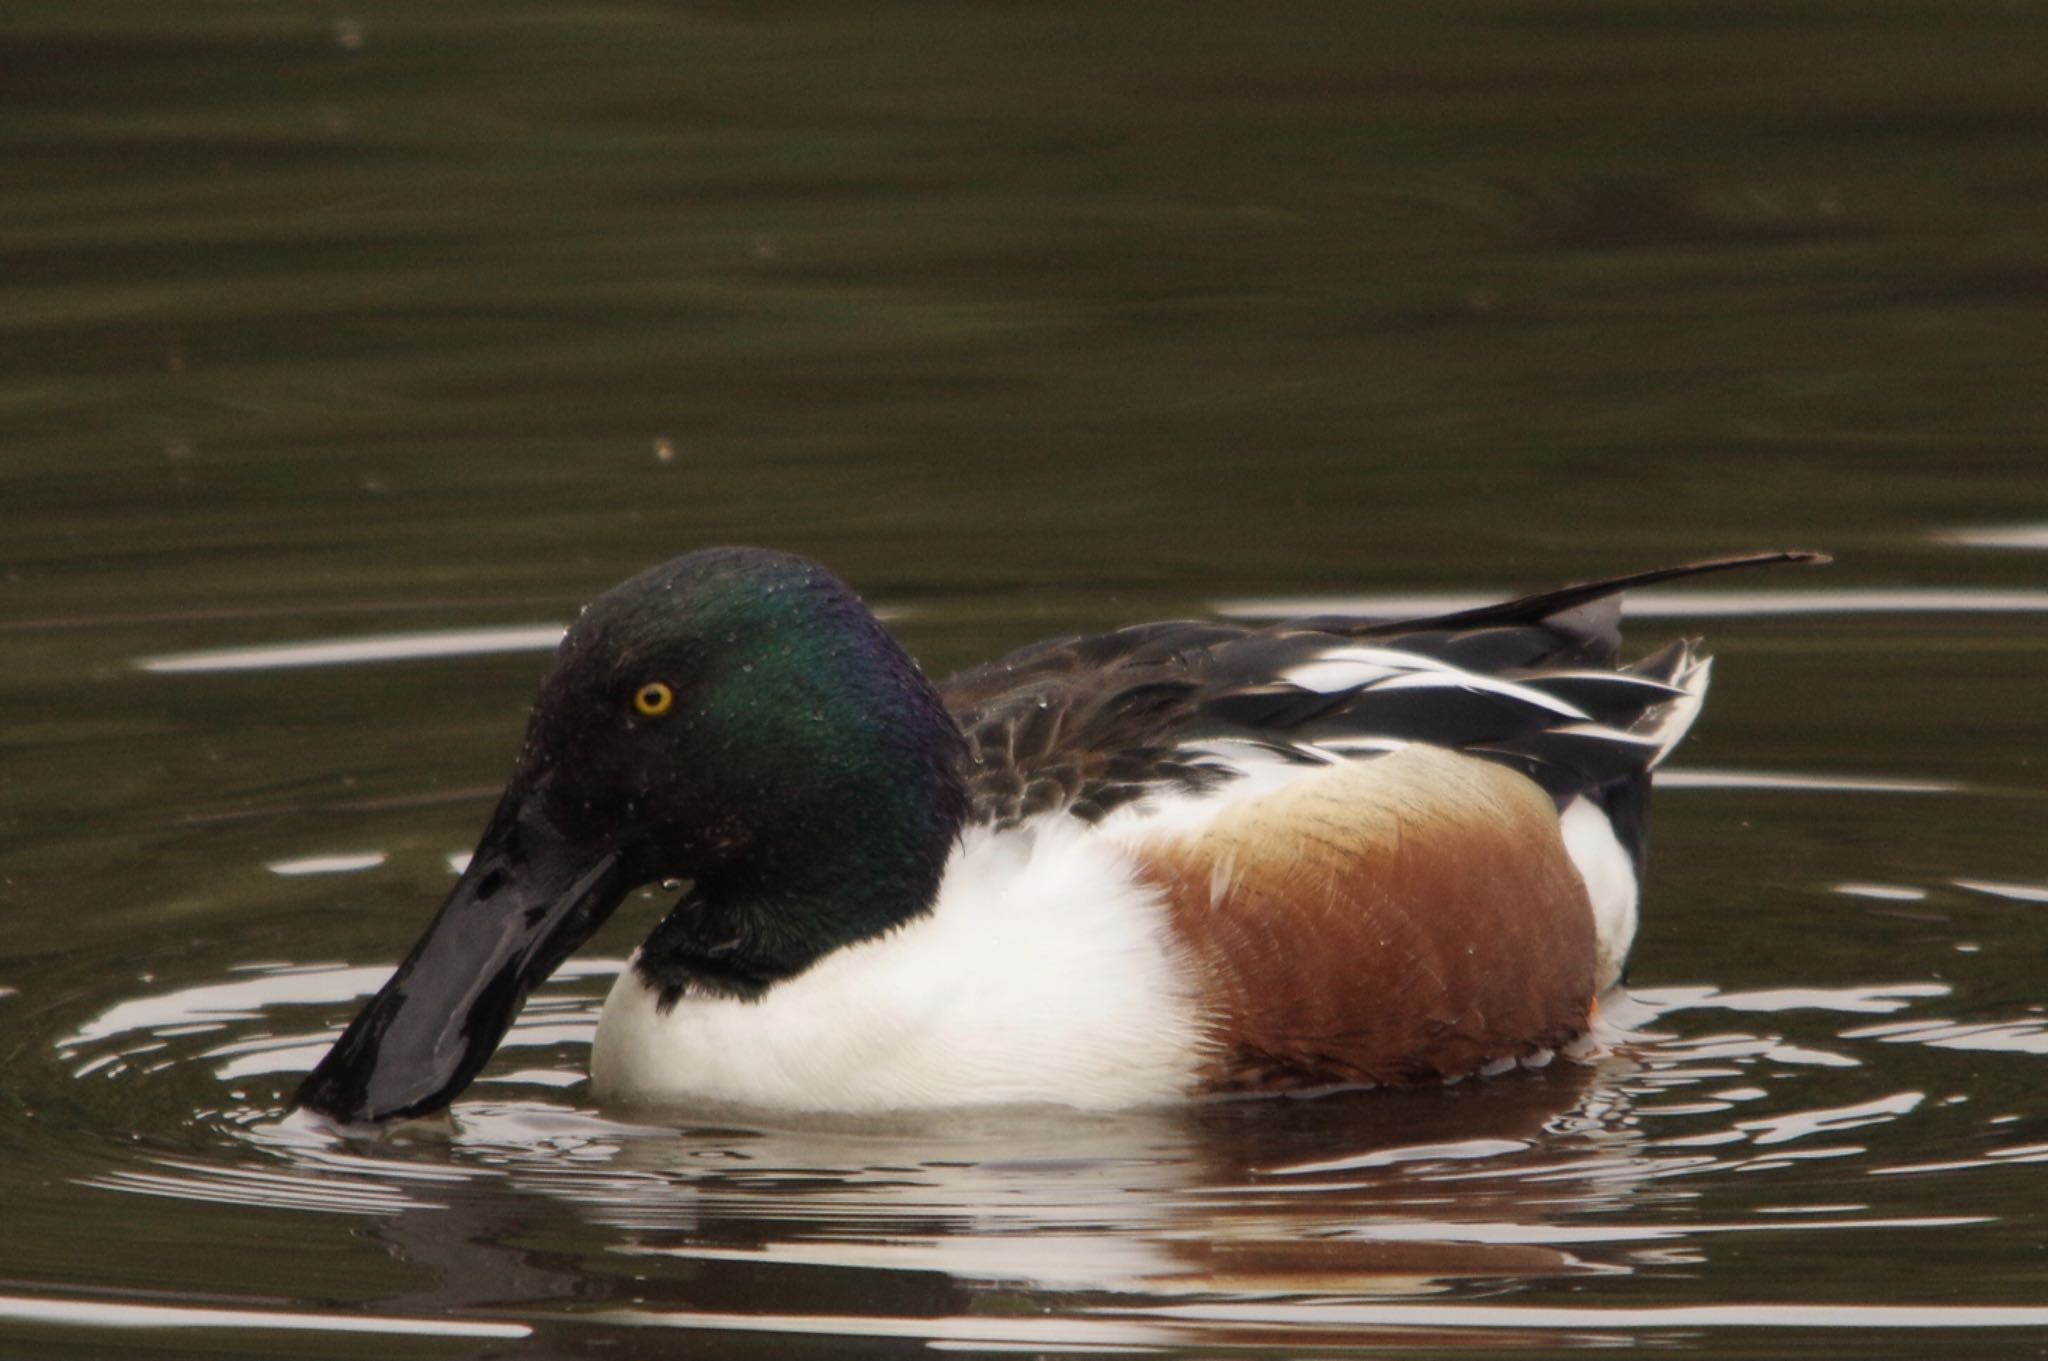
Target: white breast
x,y
1043,973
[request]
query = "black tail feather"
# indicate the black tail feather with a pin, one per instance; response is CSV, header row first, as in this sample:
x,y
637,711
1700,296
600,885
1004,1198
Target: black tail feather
x,y
1534,609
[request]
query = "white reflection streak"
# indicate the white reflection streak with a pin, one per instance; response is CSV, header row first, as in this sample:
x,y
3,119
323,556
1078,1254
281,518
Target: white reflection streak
x,y
1116,1327
1991,1157
244,1000
247,999
2019,893
383,647
100,1314
1891,893
2025,1035
1996,536
326,864
936,1332
282,1056
1779,1129
1045,1260
390,647
1468,1149
1819,784
1875,999
1884,1316
1504,1233
230,1186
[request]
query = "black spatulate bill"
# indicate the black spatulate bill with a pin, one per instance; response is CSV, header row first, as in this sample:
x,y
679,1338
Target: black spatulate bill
x,y
527,900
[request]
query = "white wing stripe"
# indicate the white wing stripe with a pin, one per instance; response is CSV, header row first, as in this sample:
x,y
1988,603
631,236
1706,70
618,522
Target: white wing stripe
x,y
1465,680
1659,726
1603,733
1389,658
1380,668
1329,676
1680,715
1360,744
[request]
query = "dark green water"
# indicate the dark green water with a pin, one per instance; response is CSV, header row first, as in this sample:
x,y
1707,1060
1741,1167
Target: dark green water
x,y
326,322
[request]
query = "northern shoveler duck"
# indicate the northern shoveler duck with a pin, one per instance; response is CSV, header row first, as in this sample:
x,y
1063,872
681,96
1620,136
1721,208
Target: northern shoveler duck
x,y
1102,871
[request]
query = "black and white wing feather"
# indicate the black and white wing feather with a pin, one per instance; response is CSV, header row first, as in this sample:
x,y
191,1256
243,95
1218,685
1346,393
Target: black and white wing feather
x,y
1089,724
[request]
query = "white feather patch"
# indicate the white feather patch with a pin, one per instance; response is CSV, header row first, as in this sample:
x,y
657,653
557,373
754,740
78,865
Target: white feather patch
x,y
1330,675
1385,668
1611,886
1677,720
1493,685
1043,973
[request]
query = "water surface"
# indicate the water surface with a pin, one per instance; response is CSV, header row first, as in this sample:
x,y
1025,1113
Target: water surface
x,y
343,351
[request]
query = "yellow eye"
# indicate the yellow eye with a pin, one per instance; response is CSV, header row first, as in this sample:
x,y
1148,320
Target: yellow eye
x,y
653,699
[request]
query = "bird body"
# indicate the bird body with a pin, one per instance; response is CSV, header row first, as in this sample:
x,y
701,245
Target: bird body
x,y
1172,860
1418,917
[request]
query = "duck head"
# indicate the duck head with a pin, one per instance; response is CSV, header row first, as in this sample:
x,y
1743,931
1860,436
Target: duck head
x,y
736,719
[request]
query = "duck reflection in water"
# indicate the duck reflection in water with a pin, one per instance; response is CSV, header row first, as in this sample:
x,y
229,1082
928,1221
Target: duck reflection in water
x,y
918,1215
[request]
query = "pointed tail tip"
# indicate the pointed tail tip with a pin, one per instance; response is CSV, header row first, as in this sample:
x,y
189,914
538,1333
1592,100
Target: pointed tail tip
x,y
1795,557
1782,557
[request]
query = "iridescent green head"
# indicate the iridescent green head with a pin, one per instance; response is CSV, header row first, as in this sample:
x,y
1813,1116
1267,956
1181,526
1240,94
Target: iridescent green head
x,y
736,718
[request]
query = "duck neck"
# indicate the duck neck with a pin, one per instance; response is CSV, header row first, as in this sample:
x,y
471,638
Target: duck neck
x,y
835,870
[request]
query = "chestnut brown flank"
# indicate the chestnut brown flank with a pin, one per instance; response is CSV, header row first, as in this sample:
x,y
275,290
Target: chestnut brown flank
x,y
1408,917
